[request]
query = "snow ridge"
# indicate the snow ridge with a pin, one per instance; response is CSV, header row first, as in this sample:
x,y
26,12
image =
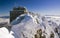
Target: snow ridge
x,y
31,26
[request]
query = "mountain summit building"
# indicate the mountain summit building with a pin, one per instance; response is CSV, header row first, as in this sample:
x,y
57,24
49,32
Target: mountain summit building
x,y
16,12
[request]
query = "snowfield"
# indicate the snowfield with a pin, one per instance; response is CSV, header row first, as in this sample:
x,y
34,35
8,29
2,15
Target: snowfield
x,y
4,33
33,26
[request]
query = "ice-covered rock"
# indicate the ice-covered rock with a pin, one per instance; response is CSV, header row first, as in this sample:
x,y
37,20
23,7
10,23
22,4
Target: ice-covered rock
x,y
31,26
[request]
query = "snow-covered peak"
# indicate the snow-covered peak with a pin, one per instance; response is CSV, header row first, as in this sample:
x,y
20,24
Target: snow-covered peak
x,y
25,17
30,26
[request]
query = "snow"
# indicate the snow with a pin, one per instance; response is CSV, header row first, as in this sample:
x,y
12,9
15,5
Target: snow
x,y
28,27
4,33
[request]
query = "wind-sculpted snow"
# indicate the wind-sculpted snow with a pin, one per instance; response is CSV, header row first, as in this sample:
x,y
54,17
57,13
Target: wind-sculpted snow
x,y
4,33
34,27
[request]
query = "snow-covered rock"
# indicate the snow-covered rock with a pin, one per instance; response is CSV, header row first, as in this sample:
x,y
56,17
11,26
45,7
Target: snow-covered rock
x,y
28,27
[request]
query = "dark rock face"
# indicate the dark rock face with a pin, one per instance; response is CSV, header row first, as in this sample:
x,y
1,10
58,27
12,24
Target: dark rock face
x,y
39,34
3,24
52,35
16,12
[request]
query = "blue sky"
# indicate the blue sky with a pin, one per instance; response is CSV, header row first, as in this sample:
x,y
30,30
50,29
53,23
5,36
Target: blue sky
x,y
45,7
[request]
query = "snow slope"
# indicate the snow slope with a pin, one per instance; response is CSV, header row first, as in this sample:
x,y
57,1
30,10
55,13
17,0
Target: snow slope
x,y
31,24
4,33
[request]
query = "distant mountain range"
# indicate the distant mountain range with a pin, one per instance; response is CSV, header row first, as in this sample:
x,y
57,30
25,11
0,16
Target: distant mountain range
x,y
4,16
